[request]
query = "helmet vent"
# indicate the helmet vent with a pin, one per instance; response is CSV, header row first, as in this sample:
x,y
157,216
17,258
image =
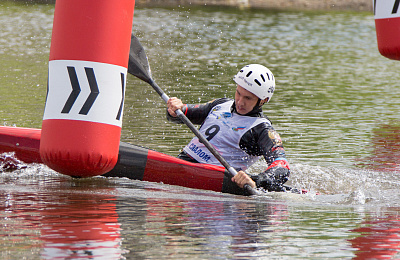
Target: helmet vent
x,y
268,76
262,76
258,82
248,74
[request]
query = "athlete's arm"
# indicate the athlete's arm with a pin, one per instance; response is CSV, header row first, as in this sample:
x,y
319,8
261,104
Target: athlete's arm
x,y
264,140
196,113
278,170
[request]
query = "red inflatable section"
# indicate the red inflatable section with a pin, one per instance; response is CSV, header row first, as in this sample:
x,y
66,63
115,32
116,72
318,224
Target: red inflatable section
x,y
87,74
85,149
387,24
92,30
388,36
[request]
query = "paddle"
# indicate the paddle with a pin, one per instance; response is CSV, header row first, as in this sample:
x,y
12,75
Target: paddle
x,y
139,66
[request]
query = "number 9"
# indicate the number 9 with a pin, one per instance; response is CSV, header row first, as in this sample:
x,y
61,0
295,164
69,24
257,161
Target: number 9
x,y
212,131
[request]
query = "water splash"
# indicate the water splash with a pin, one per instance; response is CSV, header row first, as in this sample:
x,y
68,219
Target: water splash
x,y
8,163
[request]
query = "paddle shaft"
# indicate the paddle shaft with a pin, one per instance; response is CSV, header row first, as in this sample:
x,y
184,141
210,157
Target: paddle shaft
x,y
232,172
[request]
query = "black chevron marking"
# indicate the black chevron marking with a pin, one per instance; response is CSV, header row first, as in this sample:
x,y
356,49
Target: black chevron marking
x,y
94,91
396,7
76,90
122,101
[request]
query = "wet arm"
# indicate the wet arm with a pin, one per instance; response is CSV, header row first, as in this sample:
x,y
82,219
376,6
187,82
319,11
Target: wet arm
x,y
269,145
196,113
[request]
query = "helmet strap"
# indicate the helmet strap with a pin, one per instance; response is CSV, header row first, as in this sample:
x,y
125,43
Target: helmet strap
x,y
256,109
258,103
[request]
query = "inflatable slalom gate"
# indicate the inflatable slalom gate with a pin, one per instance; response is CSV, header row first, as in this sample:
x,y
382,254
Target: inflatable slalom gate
x,y
387,24
86,86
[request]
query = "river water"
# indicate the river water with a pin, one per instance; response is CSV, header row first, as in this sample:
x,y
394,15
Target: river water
x,y
335,106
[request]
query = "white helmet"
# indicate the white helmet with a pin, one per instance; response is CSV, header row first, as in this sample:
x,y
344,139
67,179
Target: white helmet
x,y
257,79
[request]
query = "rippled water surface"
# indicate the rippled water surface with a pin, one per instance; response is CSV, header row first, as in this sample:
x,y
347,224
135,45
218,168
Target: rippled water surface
x,y
335,106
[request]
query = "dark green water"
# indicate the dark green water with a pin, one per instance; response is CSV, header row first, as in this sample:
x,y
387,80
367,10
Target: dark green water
x,y
335,106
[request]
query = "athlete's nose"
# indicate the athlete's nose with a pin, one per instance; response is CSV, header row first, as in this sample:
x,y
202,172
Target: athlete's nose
x,y
240,101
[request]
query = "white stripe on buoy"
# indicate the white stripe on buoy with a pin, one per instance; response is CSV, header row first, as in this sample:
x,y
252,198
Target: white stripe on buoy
x,y
84,90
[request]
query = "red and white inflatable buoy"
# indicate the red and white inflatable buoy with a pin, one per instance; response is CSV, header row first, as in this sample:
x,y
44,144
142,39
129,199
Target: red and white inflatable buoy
x,y
387,24
86,86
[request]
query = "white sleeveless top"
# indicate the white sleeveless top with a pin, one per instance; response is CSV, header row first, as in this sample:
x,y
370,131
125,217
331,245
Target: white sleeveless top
x,y
224,130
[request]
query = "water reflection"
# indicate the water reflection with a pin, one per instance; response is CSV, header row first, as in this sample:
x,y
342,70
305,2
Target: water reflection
x,y
385,145
53,216
81,230
61,225
78,219
379,238
209,228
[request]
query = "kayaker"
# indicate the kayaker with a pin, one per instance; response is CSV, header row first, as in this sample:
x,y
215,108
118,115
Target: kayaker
x,y
238,130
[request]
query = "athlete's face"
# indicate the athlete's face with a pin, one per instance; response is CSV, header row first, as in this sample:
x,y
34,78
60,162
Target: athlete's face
x,y
244,100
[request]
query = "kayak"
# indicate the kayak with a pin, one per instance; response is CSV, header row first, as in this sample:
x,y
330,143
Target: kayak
x,y
24,142
134,162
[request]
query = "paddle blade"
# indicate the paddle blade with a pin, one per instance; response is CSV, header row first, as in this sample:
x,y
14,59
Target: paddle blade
x,y
138,64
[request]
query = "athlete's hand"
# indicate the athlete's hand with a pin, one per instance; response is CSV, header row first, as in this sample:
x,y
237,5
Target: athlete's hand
x,y
241,178
174,104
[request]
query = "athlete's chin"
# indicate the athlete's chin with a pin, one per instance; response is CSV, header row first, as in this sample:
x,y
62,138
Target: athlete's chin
x,y
241,111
